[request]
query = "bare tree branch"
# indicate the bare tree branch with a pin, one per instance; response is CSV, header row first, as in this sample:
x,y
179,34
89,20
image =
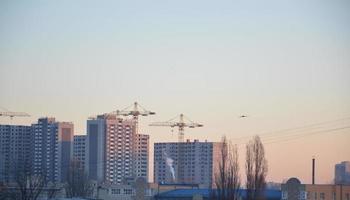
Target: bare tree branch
x,y
256,169
77,184
26,186
227,180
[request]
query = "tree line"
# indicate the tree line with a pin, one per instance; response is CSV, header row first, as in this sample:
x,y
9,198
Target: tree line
x,y
29,186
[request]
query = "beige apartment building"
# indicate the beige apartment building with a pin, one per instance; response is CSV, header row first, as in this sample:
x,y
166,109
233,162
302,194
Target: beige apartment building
x,y
115,153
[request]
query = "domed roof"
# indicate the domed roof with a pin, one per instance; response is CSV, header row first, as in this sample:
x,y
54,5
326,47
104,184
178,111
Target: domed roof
x,y
293,181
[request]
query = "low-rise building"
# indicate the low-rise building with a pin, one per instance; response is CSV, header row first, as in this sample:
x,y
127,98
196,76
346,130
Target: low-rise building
x,y
134,190
293,189
206,194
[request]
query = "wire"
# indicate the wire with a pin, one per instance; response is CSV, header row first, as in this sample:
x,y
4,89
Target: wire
x,y
188,119
294,128
313,133
297,136
172,119
144,110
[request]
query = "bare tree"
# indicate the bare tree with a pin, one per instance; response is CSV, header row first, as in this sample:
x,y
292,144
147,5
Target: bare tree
x,y
5,193
23,184
256,169
28,186
227,180
78,184
52,189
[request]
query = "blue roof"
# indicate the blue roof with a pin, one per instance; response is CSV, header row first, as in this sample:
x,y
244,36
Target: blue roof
x,y
182,193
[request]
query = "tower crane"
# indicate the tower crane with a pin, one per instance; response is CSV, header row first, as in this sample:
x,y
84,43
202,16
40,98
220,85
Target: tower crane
x,y
181,124
135,113
11,114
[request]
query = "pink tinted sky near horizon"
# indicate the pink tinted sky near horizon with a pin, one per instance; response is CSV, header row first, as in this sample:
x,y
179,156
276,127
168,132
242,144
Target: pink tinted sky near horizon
x,y
284,64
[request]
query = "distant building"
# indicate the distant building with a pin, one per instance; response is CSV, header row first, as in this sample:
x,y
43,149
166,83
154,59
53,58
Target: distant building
x,y
15,151
138,189
53,148
114,151
342,173
79,148
293,189
273,186
195,164
205,194
135,190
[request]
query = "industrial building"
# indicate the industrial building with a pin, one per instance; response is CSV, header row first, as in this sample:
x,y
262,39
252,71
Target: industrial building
x,y
293,189
196,161
114,151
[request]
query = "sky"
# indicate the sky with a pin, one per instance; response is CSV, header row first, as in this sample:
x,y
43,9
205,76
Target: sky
x,y
284,63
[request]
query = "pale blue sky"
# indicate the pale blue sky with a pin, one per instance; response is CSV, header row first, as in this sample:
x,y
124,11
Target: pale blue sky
x,y
285,63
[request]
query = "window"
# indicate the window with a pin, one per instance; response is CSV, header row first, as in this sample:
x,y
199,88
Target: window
x,y
115,191
284,195
322,195
303,195
128,191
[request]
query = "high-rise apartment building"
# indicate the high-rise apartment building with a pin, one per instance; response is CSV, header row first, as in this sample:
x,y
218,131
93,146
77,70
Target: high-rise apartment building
x,y
15,151
120,149
79,148
342,173
114,151
95,148
53,148
141,155
197,159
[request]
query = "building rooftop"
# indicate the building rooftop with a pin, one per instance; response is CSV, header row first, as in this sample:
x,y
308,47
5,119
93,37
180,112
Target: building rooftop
x,y
187,193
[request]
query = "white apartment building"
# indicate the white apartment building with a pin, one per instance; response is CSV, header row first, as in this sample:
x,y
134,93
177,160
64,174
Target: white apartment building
x,y
195,164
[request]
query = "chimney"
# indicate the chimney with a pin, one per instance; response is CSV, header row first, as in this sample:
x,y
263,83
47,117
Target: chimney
x,y
313,171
